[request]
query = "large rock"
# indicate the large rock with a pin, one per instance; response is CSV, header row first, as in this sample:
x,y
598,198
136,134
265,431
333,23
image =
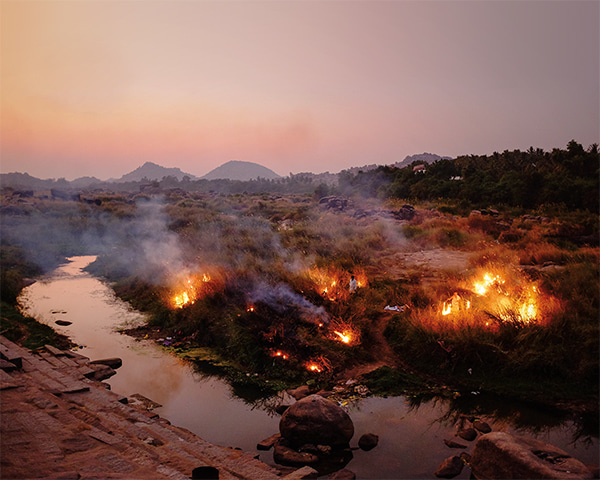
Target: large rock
x,y
498,455
316,420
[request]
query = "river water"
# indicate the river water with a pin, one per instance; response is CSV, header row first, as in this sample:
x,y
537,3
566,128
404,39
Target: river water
x,y
410,437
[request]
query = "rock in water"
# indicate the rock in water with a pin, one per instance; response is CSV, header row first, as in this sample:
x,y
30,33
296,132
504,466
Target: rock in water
x,y
316,420
500,455
368,441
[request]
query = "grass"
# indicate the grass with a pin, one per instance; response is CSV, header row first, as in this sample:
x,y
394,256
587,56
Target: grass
x,y
279,254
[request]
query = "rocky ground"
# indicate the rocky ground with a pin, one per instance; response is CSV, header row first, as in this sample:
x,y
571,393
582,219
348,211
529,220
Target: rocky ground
x,y
60,421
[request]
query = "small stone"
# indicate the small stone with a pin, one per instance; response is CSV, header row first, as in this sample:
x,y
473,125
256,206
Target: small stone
x,y
481,426
368,441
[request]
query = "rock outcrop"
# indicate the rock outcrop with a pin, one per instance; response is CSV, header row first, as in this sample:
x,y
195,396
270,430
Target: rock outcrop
x,y
57,421
499,455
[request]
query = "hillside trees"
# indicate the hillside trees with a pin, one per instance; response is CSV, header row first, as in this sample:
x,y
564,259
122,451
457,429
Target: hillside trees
x,y
513,178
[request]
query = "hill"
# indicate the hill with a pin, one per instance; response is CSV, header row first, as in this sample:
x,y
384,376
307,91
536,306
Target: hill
x,y
237,170
152,171
420,157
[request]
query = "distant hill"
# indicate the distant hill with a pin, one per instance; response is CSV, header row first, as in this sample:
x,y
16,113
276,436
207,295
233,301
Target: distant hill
x,y
152,171
237,170
83,182
420,157
24,180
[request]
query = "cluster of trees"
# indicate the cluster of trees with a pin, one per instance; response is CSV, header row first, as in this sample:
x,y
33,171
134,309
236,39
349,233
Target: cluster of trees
x,y
514,178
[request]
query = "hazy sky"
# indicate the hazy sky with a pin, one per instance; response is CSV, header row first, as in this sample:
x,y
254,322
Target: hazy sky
x,y
98,87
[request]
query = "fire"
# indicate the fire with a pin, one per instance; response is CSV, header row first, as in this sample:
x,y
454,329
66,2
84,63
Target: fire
x,y
343,337
344,332
505,296
189,287
181,300
334,284
318,365
280,354
482,287
250,308
314,367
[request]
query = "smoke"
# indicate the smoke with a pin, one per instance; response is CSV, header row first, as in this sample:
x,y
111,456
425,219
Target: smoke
x,y
282,298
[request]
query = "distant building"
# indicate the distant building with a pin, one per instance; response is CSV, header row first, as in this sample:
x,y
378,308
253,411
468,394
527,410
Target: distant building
x,y
421,168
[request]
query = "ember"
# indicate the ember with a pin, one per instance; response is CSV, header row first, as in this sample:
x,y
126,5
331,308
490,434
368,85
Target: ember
x,y
280,354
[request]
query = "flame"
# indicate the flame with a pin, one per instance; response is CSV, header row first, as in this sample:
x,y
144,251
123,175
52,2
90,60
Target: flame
x,y
481,287
344,332
280,354
343,337
333,284
314,367
250,308
506,296
318,365
181,300
188,287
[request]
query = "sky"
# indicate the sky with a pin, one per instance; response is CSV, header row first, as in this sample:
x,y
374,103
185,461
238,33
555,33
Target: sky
x,y
98,87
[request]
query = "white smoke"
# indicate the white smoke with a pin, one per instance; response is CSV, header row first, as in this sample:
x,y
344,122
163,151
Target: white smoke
x,y
282,298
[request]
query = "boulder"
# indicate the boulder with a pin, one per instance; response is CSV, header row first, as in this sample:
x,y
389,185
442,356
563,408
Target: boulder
x,y
450,468
500,455
368,441
316,420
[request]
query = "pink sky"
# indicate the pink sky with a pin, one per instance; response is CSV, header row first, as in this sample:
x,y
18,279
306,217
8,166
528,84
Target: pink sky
x,y
98,87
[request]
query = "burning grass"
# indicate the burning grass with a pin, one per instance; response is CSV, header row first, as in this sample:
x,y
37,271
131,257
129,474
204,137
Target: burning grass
x,y
491,298
186,288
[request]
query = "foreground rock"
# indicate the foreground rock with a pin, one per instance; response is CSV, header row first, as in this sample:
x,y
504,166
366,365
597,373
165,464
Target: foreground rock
x,y
318,421
57,422
498,455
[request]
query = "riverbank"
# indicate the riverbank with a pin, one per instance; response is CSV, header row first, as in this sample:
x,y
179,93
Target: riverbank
x,y
60,421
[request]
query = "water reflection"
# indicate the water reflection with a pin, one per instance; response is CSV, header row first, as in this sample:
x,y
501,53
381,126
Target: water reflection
x,y
411,430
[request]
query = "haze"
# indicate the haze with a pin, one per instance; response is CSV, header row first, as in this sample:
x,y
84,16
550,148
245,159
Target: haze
x,y
96,88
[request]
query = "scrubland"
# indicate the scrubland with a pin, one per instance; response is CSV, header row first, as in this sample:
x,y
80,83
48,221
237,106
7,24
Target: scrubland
x,y
256,288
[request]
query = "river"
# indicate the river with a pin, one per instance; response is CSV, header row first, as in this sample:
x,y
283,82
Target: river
x,y
410,437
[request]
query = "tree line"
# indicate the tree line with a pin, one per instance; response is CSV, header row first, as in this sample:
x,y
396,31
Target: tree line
x,y
514,178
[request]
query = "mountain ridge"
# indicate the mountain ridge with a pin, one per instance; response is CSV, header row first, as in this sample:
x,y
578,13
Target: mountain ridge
x,y
239,170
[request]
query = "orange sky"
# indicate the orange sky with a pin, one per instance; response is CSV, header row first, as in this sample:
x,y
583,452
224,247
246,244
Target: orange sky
x,y
97,87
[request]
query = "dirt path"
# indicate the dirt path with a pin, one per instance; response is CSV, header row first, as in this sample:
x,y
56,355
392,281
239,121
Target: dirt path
x,y
396,266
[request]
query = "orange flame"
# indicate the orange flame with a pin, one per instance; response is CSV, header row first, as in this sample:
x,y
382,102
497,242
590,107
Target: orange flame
x,y
189,287
503,295
343,337
318,365
280,354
